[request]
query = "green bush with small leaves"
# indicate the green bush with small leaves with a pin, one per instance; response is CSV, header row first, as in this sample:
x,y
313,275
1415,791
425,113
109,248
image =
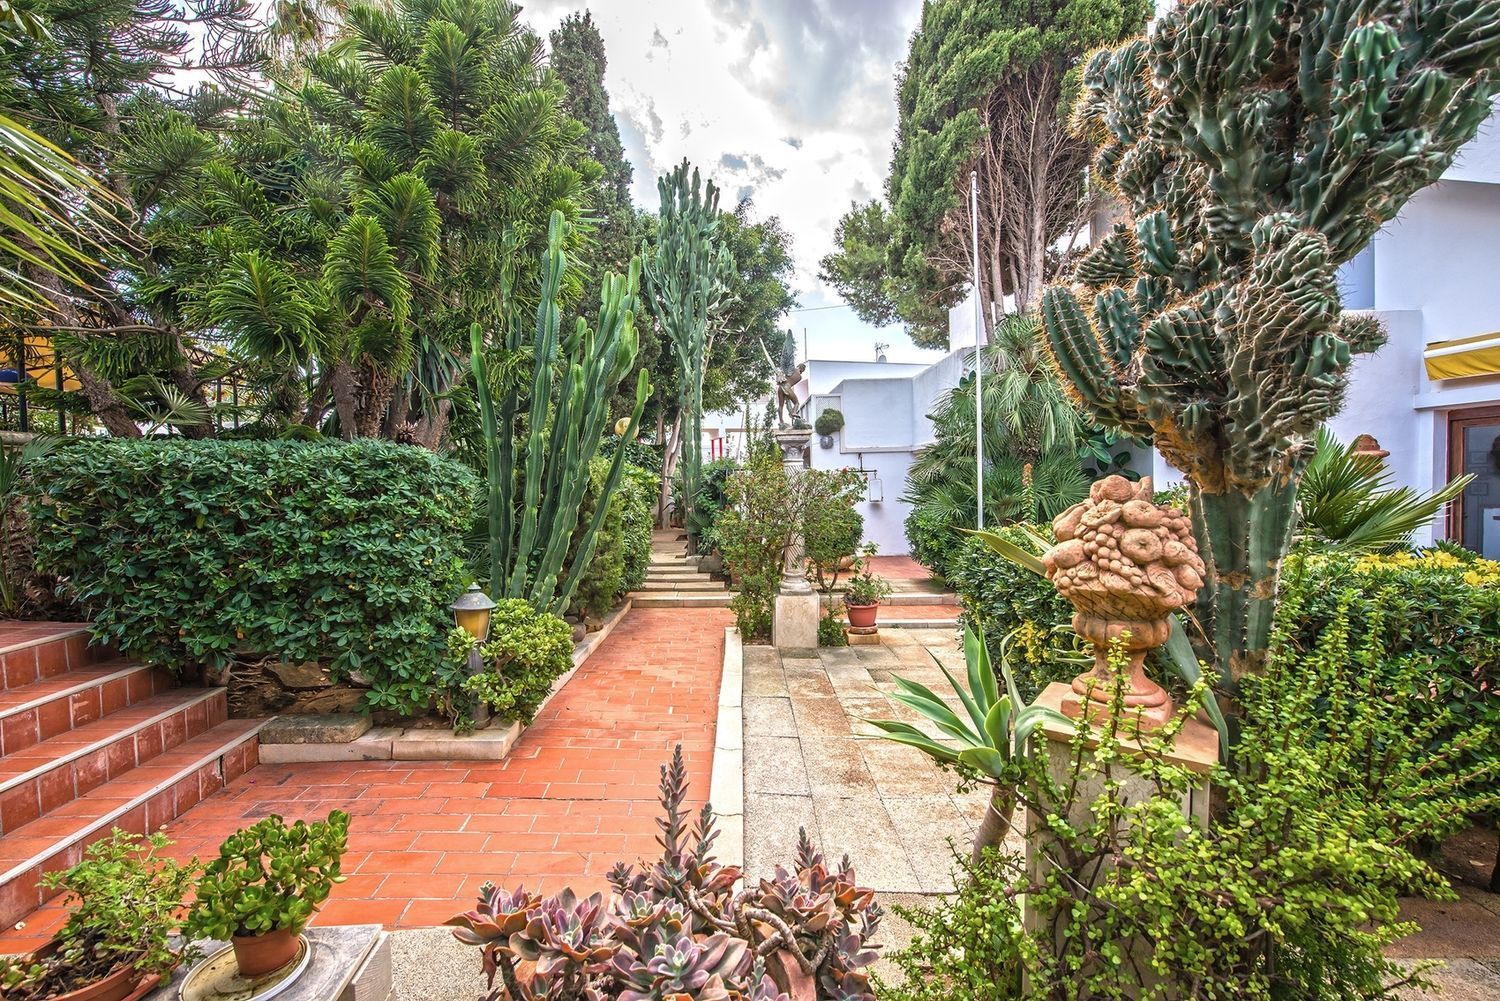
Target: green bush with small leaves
x,y
123,900
271,876
188,553
829,422
526,651
1020,613
1291,891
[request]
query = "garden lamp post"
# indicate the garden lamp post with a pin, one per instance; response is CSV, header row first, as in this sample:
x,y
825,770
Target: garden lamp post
x,y
471,613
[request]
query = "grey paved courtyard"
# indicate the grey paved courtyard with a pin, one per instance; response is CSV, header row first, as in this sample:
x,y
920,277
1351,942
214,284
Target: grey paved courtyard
x,y
811,762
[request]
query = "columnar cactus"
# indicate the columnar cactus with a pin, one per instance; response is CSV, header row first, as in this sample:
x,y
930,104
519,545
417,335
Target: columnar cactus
x,y
1256,146
685,279
565,427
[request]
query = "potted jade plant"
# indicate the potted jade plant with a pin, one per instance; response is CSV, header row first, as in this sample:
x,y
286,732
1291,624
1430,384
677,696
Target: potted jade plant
x,y
864,592
266,884
124,900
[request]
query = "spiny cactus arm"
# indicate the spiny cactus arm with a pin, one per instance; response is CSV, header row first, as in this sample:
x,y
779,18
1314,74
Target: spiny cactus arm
x,y
562,513
547,322
1286,368
1087,367
643,390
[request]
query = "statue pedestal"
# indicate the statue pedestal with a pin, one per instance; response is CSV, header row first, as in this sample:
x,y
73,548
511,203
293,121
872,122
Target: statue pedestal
x,y
794,617
1196,749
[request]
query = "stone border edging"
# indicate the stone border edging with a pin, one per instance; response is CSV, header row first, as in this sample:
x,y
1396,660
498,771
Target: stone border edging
x,y
398,743
726,788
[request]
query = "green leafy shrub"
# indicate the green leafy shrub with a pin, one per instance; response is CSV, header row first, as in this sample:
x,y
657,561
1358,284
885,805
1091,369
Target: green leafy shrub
x,y
1022,617
638,490
933,540
1438,614
1291,891
526,651
124,899
189,553
271,876
829,422
764,506
831,629
831,527
964,946
604,581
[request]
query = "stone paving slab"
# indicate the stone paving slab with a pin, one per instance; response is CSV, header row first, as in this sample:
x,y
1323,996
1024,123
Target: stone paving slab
x,y
892,810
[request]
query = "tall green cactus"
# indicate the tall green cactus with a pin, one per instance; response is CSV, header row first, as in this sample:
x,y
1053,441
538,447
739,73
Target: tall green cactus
x,y
686,278
564,425
1257,145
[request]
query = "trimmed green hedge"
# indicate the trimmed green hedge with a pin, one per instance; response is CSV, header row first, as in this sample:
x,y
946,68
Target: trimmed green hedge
x,y
190,553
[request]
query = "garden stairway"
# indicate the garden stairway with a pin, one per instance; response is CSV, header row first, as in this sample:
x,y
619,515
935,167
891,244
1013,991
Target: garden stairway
x,y
674,581
88,743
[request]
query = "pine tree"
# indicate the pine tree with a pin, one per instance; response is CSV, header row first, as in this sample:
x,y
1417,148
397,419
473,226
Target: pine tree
x,y
983,88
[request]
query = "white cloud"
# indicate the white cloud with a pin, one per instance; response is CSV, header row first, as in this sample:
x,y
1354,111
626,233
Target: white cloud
x,y
791,101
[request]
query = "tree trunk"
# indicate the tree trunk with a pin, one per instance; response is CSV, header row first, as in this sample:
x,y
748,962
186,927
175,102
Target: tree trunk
x,y
318,401
1242,539
105,403
668,467
376,387
345,398
996,823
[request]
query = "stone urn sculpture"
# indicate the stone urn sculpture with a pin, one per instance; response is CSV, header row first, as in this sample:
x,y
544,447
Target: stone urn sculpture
x,y
1125,564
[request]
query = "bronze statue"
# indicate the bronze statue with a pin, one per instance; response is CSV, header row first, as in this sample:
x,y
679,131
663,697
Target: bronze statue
x,y
788,407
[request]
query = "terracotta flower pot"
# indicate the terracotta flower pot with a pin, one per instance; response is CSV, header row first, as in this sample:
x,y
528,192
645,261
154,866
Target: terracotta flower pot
x,y
257,955
862,616
120,984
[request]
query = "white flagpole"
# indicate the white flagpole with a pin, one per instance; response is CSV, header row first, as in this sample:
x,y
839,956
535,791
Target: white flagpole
x,y
978,351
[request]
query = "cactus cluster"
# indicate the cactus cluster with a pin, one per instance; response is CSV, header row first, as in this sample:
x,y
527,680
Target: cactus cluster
x,y
1254,146
686,277
564,425
679,929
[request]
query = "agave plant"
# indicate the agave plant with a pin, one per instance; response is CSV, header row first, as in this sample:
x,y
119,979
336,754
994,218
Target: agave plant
x,y
1347,500
988,743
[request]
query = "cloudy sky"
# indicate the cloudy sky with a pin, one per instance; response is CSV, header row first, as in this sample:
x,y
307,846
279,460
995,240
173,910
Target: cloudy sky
x,y
789,102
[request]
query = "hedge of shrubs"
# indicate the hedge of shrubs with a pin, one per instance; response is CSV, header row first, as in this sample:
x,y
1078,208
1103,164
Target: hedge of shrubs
x,y
188,553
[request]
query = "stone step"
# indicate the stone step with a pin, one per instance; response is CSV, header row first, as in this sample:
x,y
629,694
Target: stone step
x,y
40,778
646,599
700,584
139,801
54,705
910,598
34,651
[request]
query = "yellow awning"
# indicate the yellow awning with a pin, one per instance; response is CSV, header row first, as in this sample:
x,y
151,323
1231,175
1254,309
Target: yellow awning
x,y
1464,357
41,367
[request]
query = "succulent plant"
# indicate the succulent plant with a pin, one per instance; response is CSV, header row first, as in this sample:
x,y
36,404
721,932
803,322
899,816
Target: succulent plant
x,y
681,928
1257,146
686,279
564,427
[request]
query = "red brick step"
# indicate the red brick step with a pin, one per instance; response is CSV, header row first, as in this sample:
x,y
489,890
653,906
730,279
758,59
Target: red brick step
x,y
141,800
52,706
41,778
33,651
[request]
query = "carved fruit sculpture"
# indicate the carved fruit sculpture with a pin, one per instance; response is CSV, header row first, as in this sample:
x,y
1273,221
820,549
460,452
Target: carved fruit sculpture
x,y
1125,564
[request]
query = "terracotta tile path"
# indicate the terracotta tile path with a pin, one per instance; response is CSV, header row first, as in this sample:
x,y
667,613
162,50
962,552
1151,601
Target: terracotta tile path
x,y
577,793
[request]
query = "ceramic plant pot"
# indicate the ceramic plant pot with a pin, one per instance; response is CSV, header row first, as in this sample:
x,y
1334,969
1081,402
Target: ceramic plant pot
x,y
862,616
258,955
120,984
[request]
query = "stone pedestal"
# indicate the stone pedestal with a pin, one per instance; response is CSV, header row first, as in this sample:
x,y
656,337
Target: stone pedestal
x,y
795,615
1196,749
